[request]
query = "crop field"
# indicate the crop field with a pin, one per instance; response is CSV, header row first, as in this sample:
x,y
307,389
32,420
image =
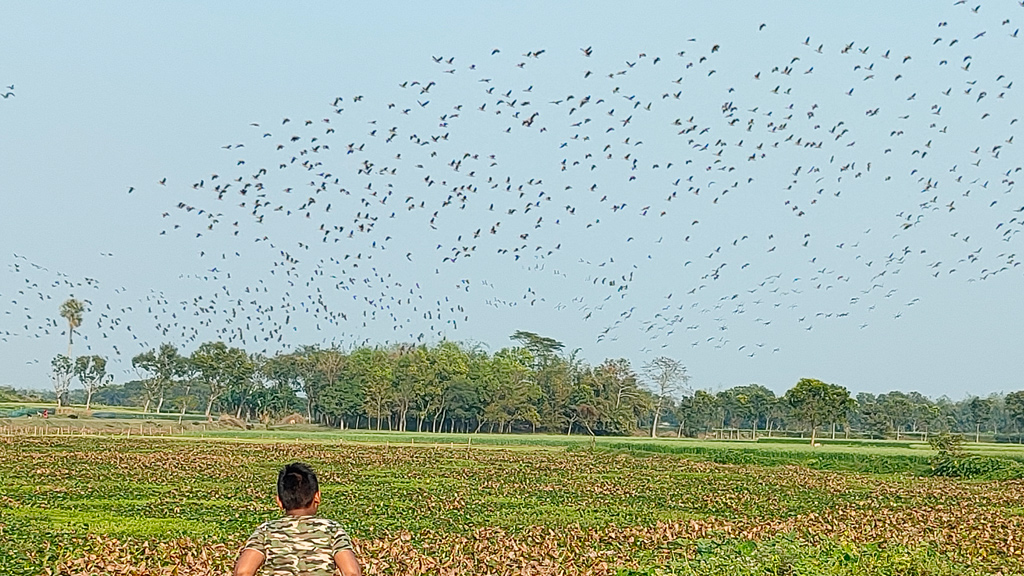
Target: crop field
x,y
155,506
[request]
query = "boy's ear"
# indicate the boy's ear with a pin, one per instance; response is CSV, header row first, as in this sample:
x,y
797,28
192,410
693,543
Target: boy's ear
x,y
316,498
279,503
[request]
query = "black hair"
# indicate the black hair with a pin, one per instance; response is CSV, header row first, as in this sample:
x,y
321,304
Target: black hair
x,y
296,486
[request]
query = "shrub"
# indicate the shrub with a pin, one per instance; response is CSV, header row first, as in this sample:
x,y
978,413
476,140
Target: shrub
x,y
946,443
976,467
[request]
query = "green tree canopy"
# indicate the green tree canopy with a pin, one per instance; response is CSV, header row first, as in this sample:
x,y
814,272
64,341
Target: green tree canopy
x,y
92,373
73,311
815,403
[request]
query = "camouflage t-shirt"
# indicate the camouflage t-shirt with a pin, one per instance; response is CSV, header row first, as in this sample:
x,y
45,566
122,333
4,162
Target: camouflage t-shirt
x,y
299,545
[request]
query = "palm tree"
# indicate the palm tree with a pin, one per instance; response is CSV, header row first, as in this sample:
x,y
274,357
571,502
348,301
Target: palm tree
x,y
72,310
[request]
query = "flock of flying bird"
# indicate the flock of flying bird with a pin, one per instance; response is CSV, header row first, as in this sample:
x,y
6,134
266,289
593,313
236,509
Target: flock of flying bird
x,y
678,195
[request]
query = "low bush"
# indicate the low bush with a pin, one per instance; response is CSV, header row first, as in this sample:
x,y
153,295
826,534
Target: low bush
x,y
838,442
836,461
976,467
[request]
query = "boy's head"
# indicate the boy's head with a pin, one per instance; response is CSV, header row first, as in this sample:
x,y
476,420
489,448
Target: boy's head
x,y
297,487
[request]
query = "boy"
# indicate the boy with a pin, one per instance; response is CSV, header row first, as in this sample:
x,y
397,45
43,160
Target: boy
x,y
300,542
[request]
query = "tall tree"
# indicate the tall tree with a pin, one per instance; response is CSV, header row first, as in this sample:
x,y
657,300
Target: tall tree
x,y
980,412
511,394
753,403
164,366
305,363
698,412
62,370
412,374
92,373
72,310
555,376
449,364
221,369
1015,409
282,372
815,403
372,369
539,346
186,378
666,378
871,415
613,391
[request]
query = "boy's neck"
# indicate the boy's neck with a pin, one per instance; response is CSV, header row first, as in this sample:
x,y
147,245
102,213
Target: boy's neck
x,y
310,511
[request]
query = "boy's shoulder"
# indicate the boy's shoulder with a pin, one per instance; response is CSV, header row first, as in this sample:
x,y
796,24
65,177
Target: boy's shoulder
x,y
295,525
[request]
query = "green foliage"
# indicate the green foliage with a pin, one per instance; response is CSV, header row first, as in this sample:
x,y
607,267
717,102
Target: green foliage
x,y
91,372
862,462
838,442
815,403
788,556
72,310
947,444
8,394
62,370
1014,402
952,461
221,369
165,367
539,346
976,467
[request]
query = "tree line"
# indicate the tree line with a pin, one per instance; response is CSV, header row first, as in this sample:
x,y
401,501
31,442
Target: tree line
x,y
533,385
530,386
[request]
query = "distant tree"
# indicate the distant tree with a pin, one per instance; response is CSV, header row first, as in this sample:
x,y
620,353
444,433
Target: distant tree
x,y
72,310
8,394
666,378
698,412
871,416
616,393
463,402
450,366
899,409
557,377
588,415
187,374
539,346
277,398
163,366
754,403
412,374
510,393
245,389
92,373
221,369
302,367
815,403
1015,408
62,370
980,410
371,369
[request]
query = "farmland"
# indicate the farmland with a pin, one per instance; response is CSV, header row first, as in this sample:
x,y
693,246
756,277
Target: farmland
x,y
153,505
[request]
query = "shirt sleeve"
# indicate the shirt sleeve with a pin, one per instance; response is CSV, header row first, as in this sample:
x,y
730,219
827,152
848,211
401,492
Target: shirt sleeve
x,y
340,541
258,540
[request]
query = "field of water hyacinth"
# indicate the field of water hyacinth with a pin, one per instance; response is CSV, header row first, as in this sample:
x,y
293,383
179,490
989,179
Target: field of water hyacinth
x,y
162,506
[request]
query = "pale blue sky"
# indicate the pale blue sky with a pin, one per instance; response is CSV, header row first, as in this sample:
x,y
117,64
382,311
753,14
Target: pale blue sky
x,y
886,293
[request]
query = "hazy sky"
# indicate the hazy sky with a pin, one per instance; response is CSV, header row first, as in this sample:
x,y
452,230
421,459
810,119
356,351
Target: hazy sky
x,y
765,192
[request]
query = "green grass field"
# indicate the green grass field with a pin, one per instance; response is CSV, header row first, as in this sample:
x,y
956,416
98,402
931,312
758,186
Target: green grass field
x,y
424,503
